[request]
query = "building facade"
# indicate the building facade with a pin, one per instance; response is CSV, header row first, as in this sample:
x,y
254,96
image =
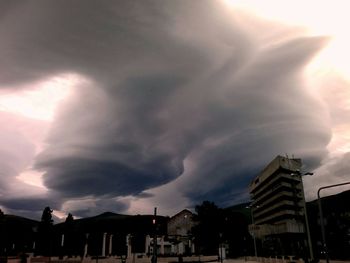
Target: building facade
x,y
278,207
179,232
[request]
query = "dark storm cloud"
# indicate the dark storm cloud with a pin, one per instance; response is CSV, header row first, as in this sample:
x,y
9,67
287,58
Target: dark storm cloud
x,y
164,83
82,176
265,113
30,203
134,138
93,39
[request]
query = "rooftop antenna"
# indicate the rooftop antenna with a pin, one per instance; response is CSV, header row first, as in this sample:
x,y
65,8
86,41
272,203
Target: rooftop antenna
x,y
288,160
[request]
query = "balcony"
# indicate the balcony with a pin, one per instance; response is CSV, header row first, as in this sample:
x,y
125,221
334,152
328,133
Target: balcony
x,y
280,216
289,226
279,207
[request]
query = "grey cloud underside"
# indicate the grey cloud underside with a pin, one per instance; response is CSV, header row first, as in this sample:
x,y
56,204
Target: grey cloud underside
x,y
80,176
165,86
90,38
101,206
30,204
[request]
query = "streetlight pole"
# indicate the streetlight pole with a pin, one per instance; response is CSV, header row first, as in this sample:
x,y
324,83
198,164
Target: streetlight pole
x,y
254,239
221,259
321,216
252,233
154,257
305,213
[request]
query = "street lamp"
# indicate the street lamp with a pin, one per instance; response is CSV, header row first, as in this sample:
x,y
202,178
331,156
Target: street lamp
x,y
298,173
221,259
154,221
321,216
253,234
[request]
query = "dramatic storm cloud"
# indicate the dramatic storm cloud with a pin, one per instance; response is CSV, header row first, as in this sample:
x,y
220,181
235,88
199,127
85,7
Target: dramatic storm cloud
x,y
163,101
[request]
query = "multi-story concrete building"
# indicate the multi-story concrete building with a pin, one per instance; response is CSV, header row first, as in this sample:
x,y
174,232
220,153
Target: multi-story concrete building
x,y
278,206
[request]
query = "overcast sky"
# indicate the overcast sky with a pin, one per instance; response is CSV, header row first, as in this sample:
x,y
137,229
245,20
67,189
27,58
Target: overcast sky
x,y
126,105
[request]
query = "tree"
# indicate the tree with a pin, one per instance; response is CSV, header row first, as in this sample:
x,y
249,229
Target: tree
x,y
74,237
217,226
209,228
45,233
46,217
235,233
69,218
3,231
69,236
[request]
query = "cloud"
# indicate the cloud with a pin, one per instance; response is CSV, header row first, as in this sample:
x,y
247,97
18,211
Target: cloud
x,y
91,206
259,117
29,204
196,103
334,170
17,139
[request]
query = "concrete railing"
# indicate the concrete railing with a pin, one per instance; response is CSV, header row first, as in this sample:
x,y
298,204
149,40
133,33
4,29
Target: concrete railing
x,y
163,260
286,259
144,259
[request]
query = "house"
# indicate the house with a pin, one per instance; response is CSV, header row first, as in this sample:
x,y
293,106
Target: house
x,y
179,233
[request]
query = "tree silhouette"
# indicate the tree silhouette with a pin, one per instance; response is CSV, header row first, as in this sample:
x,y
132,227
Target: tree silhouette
x,y
69,235
207,232
69,218
3,235
217,226
45,233
46,217
235,233
74,238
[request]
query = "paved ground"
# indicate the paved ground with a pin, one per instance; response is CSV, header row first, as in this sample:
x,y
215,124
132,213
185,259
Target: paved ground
x,y
160,260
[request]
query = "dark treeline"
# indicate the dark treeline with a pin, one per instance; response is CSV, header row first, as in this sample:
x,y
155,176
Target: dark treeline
x,y
222,227
18,234
215,227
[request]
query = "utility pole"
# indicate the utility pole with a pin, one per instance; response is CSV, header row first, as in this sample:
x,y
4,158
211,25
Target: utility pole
x,y
254,239
221,259
308,234
250,207
311,252
154,257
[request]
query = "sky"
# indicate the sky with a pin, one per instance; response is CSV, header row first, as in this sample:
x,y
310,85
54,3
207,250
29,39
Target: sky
x,y
124,106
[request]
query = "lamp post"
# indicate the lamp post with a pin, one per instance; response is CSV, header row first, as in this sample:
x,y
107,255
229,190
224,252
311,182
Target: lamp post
x,y
221,259
298,173
253,234
321,216
154,257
